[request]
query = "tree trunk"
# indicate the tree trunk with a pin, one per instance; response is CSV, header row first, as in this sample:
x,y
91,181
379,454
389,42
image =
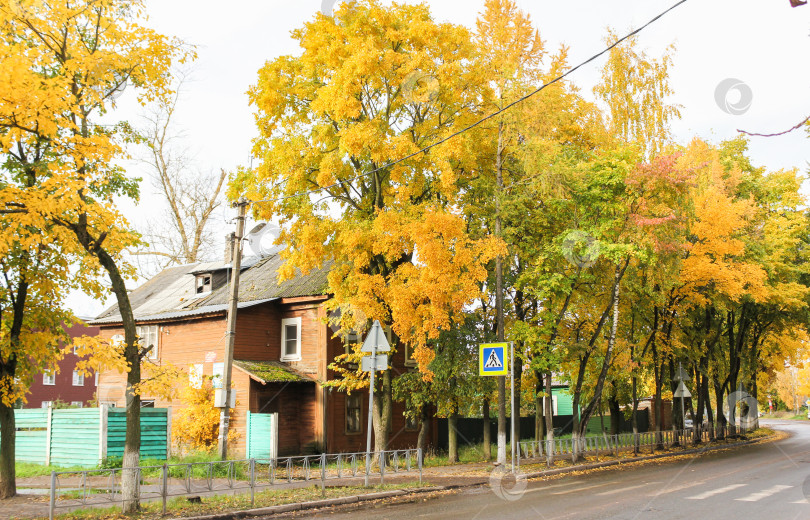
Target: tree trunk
x,y
515,435
8,479
382,413
487,432
615,412
539,416
132,353
424,430
452,438
721,416
633,417
549,413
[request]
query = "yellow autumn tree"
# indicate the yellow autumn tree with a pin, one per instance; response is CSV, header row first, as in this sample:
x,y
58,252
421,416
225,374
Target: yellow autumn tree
x,y
372,85
63,65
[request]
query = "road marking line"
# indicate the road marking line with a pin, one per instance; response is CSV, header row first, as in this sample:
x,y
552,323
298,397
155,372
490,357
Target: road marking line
x,y
614,491
803,501
714,492
755,497
663,491
546,488
582,488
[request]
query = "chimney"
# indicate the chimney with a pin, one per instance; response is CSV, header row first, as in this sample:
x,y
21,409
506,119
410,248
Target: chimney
x,y
229,247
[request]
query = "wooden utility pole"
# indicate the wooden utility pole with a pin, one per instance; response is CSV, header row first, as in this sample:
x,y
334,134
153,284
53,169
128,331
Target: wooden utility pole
x,y
233,301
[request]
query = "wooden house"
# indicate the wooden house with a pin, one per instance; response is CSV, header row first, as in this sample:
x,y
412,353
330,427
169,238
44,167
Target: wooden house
x,y
282,352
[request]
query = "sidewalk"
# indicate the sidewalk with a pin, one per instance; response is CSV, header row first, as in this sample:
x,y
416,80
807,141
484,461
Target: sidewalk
x,y
30,505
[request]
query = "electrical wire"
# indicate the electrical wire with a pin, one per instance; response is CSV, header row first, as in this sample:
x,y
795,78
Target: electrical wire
x,y
482,120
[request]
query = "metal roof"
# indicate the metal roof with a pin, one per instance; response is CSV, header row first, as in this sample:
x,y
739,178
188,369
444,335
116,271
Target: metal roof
x,y
199,311
172,293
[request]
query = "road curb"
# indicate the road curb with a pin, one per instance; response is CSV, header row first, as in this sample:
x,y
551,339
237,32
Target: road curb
x,y
368,497
608,463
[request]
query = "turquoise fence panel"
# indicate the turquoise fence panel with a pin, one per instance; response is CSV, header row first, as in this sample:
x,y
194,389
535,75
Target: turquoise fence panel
x,y
154,432
565,403
32,435
261,435
75,437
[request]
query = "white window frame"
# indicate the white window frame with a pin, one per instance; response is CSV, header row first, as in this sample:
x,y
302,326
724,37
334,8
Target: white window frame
x,y
147,333
49,378
77,404
46,404
200,285
78,378
284,324
95,377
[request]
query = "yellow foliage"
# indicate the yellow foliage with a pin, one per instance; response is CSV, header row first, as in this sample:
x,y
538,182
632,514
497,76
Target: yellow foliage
x,y
196,425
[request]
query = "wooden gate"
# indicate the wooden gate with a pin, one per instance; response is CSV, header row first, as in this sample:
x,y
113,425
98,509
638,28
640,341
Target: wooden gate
x,y
262,435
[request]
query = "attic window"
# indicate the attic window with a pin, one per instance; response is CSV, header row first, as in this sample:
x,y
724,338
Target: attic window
x,y
203,284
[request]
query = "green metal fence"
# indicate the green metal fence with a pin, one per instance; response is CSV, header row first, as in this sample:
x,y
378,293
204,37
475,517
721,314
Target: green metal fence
x,y
86,436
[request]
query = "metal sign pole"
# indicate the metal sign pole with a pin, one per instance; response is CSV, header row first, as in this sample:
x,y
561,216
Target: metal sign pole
x,y
370,411
512,378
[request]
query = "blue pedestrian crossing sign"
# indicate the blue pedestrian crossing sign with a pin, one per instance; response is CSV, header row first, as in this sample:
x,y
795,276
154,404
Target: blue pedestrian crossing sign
x,y
493,359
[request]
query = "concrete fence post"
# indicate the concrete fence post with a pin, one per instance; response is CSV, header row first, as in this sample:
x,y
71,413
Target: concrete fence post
x,y
252,482
164,486
102,433
419,456
48,436
323,471
52,504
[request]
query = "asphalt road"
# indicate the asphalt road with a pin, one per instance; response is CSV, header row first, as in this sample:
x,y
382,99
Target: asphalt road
x,y
768,481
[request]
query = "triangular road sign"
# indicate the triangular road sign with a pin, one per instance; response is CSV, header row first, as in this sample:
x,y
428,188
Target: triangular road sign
x,y
376,338
682,391
681,375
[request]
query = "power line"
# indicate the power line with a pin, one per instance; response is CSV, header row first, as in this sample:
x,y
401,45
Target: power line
x,y
482,120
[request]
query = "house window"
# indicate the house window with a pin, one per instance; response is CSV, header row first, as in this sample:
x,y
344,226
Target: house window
x,y
291,339
149,403
354,416
195,375
149,338
554,405
78,378
48,379
96,378
203,284
46,404
409,360
77,404
411,423
349,341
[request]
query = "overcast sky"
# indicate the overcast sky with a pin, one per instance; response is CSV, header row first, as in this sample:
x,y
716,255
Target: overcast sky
x,y
763,44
